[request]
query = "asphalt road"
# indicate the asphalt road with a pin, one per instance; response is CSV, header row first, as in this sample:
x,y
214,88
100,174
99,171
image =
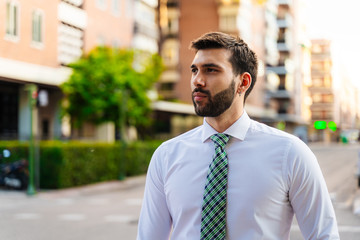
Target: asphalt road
x,y
110,210
339,163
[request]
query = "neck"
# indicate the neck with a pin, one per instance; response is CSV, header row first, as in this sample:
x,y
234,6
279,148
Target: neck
x,y
225,120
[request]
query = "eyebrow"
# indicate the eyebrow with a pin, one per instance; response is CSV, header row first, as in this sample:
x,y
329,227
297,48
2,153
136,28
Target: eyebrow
x,y
206,65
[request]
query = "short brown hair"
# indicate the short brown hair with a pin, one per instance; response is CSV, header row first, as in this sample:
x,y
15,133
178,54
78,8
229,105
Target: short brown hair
x,y
242,59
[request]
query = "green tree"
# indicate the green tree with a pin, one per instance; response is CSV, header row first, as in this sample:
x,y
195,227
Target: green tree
x,y
108,85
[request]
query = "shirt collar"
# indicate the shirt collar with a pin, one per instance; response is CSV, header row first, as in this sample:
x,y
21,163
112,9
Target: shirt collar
x,y
237,130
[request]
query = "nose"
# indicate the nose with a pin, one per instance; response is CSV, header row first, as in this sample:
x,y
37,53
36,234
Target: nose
x,y
198,80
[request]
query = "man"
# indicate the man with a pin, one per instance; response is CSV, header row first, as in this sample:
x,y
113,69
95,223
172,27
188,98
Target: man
x,y
252,183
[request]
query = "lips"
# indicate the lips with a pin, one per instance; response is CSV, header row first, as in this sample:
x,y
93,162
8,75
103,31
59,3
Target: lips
x,y
198,96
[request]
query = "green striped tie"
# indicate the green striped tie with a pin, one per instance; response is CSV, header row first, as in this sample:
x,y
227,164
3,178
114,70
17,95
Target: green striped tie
x,y
213,216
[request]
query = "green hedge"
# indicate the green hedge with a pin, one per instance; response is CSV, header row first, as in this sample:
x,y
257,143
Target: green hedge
x,y
68,164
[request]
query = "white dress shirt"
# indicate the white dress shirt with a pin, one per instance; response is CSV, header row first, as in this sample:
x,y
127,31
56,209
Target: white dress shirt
x,y
272,176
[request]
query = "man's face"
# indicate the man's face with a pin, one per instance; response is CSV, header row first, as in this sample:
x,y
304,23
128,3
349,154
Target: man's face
x,y
212,82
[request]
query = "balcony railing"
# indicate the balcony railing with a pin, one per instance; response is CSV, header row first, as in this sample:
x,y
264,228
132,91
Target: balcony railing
x,y
77,3
72,15
279,70
151,32
281,93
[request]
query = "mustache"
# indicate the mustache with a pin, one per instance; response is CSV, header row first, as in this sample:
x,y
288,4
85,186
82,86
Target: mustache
x,y
200,90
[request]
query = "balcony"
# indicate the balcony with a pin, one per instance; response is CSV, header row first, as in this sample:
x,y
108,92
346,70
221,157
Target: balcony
x,y
321,89
284,2
76,3
170,35
285,22
151,32
72,15
280,94
283,46
70,44
323,106
172,4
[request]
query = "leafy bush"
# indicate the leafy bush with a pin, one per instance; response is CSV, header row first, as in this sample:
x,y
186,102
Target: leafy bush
x,y
67,164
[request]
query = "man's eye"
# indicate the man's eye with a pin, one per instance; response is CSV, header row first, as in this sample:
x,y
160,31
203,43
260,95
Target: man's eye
x,y
193,70
211,70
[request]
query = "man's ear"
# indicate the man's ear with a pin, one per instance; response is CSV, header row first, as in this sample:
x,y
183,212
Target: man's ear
x,y
245,82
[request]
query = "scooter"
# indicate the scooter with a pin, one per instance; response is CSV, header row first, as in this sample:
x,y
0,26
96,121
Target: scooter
x,y
13,175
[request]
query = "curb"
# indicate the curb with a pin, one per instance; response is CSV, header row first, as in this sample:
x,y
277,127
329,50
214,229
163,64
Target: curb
x,y
96,188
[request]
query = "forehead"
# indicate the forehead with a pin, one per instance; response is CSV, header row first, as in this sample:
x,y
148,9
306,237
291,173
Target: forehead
x,y
217,56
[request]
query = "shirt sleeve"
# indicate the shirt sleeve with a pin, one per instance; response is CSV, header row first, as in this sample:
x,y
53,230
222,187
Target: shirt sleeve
x,y
309,196
155,220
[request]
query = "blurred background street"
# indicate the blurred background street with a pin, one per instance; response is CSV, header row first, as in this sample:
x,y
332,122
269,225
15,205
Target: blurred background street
x,y
110,210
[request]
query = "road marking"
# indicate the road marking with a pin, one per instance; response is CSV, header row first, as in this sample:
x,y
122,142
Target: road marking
x,y
353,229
65,201
356,205
27,216
120,218
72,217
342,228
98,201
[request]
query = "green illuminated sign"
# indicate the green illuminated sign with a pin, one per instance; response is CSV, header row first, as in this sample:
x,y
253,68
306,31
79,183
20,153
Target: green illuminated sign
x,y
332,126
320,125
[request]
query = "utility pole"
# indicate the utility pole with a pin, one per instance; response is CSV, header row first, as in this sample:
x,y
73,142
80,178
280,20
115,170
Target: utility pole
x,y
32,103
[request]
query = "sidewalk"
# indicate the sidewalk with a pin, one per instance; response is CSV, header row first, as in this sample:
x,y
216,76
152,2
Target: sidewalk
x,y
96,188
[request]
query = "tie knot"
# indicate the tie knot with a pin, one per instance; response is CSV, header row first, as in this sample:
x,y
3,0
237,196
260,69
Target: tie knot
x,y
220,140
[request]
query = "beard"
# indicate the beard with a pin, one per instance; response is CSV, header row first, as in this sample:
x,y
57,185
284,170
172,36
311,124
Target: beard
x,y
216,104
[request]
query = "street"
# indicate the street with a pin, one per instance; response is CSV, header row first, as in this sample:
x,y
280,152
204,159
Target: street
x,y
338,163
110,210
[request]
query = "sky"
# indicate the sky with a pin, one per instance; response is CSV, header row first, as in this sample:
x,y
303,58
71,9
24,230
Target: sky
x,y
338,20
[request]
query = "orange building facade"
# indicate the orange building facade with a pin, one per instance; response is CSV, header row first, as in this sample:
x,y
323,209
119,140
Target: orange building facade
x,y
38,40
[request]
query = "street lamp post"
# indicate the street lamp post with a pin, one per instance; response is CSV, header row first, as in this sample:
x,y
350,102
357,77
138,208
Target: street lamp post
x,y
32,103
122,125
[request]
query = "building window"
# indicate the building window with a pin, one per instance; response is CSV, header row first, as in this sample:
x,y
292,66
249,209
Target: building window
x,y
328,98
129,8
101,4
316,48
327,81
37,26
173,26
227,23
318,82
100,40
116,7
12,19
317,98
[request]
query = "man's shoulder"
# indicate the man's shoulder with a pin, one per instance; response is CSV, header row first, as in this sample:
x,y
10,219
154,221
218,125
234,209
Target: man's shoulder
x,y
270,132
192,135
277,137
